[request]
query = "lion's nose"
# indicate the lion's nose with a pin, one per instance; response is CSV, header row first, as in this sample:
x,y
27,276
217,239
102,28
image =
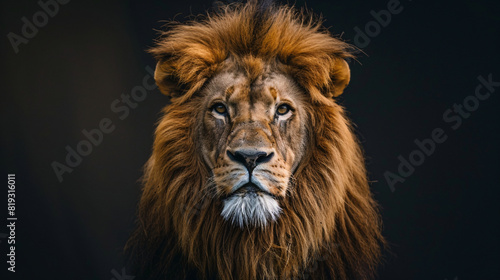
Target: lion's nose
x,y
250,158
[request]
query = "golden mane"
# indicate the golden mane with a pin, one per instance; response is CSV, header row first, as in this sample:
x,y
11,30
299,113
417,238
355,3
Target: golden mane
x,y
329,227
190,54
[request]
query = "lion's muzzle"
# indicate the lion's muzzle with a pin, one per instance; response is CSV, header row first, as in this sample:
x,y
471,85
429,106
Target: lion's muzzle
x,y
250,201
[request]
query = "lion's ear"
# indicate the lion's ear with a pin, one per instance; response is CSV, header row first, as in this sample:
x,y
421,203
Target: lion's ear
x,y
167,82
340,75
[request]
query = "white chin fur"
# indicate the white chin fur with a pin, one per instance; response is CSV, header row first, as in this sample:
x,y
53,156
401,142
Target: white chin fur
x,y
250,209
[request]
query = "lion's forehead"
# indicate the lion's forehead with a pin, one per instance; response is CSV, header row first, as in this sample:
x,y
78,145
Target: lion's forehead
x,y
245,93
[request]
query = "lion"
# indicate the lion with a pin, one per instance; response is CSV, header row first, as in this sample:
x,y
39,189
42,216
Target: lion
x,y
255,171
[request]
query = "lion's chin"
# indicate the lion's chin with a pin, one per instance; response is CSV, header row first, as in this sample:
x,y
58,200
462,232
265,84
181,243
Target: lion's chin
x,y
250,208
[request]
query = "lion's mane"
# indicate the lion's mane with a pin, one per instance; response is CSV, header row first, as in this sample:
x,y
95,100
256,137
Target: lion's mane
x,y
329,227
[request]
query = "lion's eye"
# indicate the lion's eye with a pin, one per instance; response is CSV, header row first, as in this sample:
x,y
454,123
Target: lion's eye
x,y
219,108
283,109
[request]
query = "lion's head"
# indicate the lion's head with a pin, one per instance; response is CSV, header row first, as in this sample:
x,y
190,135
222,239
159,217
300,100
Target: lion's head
x,y
255,172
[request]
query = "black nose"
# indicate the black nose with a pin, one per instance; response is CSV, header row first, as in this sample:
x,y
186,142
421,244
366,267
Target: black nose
x,y
250,159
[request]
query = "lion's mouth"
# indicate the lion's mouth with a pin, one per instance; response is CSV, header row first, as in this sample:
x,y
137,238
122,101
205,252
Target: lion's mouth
x,y
250,189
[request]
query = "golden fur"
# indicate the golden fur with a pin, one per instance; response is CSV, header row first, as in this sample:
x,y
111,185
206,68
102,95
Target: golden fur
x,y
329,227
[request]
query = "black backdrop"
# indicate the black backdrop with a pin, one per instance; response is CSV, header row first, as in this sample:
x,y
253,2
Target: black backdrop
x,y
442,221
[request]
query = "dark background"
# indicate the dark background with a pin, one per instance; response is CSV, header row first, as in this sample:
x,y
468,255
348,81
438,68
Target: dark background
x,y
442,222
